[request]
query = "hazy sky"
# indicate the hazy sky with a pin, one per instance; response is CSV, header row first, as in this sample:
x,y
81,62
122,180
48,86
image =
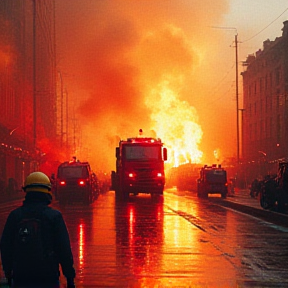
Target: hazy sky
x,y
159,65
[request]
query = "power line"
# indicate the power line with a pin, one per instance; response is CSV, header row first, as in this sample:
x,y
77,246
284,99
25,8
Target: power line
x,y
218,87
266,26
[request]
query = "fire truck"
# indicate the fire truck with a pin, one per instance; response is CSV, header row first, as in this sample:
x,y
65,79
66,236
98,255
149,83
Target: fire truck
x,y
76,183
139,167
213,180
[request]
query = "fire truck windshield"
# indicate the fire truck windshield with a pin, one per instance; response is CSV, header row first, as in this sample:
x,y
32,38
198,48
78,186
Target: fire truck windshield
x,y
73,172
136,152
216,176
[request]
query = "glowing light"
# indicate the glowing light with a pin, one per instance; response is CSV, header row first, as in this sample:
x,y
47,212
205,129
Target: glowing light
x,y
217,154
131,222
81,182
176,123
81,245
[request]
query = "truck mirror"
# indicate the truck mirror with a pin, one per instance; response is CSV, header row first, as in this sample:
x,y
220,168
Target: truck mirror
x,y
117,152
165,154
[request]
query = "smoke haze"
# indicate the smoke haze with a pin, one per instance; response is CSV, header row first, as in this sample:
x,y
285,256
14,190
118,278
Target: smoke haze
x,y
115,54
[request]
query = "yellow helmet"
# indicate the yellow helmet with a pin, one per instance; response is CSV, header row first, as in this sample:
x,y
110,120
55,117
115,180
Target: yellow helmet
x,y
38,182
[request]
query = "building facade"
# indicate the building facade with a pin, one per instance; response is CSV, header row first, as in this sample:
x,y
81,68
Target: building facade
x,y
27,86
265,100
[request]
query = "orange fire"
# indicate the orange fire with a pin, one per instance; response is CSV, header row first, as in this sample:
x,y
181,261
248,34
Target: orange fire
x,y
176,123
157,54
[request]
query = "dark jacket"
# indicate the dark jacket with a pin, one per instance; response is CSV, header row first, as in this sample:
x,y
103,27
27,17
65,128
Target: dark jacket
x,y
56,240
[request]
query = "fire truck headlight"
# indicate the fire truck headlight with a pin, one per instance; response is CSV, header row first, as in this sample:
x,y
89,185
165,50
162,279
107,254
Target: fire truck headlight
x,y
131,175
159,174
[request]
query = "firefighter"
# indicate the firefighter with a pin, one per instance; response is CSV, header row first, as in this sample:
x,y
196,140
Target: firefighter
x,y
26,271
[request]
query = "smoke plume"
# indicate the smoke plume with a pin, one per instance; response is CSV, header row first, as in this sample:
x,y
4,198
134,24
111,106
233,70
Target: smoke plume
x,y
114,55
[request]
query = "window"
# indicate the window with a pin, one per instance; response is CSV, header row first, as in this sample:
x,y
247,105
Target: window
x,y
142,152
73,172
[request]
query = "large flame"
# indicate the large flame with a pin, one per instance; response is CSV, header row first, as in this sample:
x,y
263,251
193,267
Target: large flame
x,y
142,64
175,121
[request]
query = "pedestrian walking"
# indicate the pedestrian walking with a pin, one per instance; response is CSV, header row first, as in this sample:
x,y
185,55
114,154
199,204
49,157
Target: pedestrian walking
x,y
35,241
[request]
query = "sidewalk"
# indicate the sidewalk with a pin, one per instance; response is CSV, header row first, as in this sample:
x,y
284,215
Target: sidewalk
x,y
6,197
242,196
243,202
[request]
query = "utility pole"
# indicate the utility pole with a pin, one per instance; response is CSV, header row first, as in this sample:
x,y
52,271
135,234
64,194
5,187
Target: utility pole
x,y
67,120
242,130
237,85
237,97
34,78
61,108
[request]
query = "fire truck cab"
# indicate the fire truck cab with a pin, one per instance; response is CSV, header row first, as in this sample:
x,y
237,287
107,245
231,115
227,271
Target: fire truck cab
x,y
213,180
139,167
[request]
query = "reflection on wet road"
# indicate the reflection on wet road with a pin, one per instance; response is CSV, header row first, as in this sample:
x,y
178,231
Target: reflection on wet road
x,y
174,241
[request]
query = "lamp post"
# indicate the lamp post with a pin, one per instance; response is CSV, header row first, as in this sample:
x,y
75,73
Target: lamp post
x,y
61,108
34,77
237,97
242,131
67,120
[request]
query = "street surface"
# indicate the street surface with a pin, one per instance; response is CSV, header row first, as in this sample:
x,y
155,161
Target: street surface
x,y
175,241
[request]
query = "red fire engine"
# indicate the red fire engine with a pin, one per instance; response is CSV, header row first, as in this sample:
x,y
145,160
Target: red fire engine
x,y
139,167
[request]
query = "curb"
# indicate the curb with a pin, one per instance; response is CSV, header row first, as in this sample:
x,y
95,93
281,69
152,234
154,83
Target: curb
x,y
266,215
11,197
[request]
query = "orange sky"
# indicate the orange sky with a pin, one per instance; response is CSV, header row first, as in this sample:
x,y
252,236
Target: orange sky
x,y
120,59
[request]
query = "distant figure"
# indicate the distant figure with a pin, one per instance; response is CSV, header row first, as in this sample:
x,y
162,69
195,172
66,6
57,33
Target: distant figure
x,y
231,185
254,188
74,160
35,240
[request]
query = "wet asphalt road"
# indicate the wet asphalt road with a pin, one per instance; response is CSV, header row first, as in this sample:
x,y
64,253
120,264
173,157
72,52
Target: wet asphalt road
x,y
175,241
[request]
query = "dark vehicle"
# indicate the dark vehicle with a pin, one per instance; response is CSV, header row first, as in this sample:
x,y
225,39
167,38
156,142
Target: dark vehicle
x,y
213,180
139,167
76,183
274,190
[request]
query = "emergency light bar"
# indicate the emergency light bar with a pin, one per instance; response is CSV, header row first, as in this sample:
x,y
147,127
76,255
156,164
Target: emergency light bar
x,y
144,140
